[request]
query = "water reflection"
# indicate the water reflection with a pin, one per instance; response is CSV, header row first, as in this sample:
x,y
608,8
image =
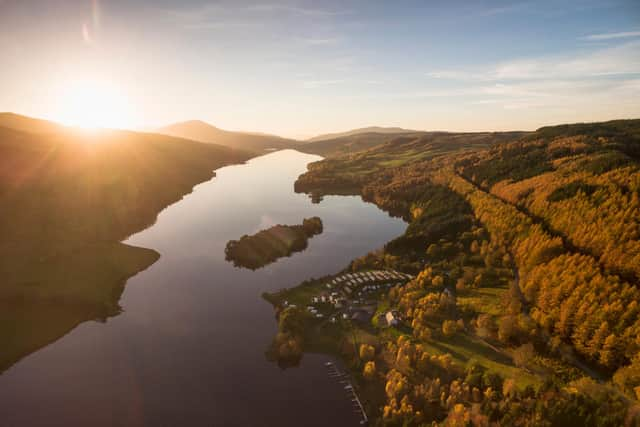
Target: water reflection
x,y
189,347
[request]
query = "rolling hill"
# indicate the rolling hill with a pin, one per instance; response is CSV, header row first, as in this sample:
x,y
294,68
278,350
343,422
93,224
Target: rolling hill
x,y
367,130
201,131
67,199
389,144
28,124
350,143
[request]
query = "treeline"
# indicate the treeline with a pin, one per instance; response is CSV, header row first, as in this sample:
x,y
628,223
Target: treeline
x,y
286,348
328,177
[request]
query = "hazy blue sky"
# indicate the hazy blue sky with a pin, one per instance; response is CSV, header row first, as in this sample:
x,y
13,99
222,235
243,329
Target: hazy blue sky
x,y
298,68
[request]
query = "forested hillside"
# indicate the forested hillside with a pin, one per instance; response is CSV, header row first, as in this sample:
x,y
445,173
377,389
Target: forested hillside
x,y
405,146
362,131
525,309
344,171
67,198
349,144
581,181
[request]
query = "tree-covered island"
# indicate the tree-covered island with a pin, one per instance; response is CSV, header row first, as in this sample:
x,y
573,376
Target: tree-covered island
x,y
268,245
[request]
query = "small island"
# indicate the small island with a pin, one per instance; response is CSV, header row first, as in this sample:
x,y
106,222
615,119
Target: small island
x,y
268,245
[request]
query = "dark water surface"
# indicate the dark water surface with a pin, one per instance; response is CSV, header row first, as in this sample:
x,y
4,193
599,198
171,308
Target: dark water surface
x,y
188,350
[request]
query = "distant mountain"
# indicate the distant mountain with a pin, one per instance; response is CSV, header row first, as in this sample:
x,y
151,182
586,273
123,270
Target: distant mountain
x,y
371,129
201,131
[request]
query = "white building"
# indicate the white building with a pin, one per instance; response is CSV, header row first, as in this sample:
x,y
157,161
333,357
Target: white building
x,y
392,318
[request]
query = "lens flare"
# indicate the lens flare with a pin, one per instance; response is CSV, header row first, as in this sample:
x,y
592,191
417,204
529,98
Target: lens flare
x,y
93,104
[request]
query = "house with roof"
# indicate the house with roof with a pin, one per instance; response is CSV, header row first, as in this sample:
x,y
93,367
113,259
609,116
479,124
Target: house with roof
x,y
392,317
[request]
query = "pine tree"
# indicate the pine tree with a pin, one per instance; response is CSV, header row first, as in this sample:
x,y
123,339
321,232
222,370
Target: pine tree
x,y
609,353
597,341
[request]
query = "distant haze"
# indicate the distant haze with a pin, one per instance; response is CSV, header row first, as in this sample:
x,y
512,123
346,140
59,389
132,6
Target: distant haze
x,y
370,129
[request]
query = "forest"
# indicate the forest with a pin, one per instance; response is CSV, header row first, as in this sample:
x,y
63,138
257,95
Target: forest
x,y
266,246
524,309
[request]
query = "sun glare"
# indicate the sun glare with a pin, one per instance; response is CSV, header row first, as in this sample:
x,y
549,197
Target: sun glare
x,y
92,105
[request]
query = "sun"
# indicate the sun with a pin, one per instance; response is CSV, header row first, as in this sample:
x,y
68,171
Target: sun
x,y
93,104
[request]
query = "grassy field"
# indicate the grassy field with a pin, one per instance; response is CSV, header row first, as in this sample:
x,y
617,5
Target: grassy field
x,y
300,295
466,350
484,300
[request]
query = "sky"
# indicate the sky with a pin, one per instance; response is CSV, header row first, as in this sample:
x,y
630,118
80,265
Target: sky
x,y
301,68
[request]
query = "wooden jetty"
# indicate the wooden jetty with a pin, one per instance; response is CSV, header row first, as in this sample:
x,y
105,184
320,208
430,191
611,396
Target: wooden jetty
x,y
343,378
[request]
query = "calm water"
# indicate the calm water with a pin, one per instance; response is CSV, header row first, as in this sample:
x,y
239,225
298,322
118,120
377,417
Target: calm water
x,y
189,347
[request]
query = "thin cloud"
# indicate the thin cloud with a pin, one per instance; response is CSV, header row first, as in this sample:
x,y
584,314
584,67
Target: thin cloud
x,y
619,60
558,96
230,15
314,84
504,10
321,41
538,94
457,75
612,36
435,93
218,25
522,105
486,102
553,83
614,61
512,90
194,14
296,10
